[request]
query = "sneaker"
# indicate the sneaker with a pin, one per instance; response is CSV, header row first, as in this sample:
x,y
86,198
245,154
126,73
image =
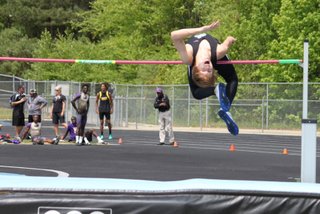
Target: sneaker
x,y
56,141
28,136
110,136
99,140
227,118
160,144
220,91
86,141
101,137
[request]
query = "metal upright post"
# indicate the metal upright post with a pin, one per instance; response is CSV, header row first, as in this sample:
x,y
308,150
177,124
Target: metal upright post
x,y
309,129
305,79
127,105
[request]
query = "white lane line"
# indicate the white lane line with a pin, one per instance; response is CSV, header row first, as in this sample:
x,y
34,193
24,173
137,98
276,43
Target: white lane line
x,y
59,173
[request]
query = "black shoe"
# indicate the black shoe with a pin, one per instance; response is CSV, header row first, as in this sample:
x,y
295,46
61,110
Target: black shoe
x,y
160,144
56,141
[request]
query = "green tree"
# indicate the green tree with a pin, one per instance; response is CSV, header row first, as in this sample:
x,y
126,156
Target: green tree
x,y
32,17
298,20
14,43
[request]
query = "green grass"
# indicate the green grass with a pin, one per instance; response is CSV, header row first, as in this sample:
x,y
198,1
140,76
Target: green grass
x,y
5,113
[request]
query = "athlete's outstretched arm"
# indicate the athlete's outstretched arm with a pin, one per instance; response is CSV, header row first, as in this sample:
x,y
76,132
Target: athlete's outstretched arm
x,y
178,37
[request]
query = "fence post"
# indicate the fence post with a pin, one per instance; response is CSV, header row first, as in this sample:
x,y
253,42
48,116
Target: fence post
x,y
13,83
267,108
127,105
189,106
207,110
141,104
200,101
172,106
262,113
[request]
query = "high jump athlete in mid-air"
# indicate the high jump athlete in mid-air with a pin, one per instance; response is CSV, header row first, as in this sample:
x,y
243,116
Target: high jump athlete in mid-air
x,y
201,53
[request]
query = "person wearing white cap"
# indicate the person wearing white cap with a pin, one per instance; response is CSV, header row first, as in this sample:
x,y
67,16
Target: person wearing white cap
x,y
162,103
35,104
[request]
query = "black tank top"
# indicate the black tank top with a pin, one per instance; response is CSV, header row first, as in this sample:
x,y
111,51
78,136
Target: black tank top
x,y
194,41
104,98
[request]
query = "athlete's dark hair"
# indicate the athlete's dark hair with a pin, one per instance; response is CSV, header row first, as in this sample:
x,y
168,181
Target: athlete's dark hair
x,y
20,86
85,84
105,85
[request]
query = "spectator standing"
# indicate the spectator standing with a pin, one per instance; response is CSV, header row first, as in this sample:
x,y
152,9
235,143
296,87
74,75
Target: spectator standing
x,y
104,108
17,102
57,110
162,103
35,105
83,102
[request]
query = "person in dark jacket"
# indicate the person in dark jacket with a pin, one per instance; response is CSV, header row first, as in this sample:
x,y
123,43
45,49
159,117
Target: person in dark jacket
x,y
162,103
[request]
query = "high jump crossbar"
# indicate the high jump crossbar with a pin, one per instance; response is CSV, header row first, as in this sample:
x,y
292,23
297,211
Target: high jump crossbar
x,y
146,62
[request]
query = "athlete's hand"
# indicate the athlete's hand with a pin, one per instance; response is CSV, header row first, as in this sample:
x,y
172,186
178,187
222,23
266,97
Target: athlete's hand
x,y
97,111
211,26
111,111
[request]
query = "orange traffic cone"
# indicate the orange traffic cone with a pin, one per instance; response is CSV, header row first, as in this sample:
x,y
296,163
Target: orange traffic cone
x,y
285,151
120,141
175,144
232,148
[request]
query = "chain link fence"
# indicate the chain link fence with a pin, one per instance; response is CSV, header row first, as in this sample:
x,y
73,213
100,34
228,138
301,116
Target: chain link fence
x,y
256,106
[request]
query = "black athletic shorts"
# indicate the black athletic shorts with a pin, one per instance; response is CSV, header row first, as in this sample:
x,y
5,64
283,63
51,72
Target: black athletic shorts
x,y
18,118
104,114
56,118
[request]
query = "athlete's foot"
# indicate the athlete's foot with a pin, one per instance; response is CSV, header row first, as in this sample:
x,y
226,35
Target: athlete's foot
x,y
86,142
56,141
99,140
101,137
110,136
220,91
18,138
231,125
